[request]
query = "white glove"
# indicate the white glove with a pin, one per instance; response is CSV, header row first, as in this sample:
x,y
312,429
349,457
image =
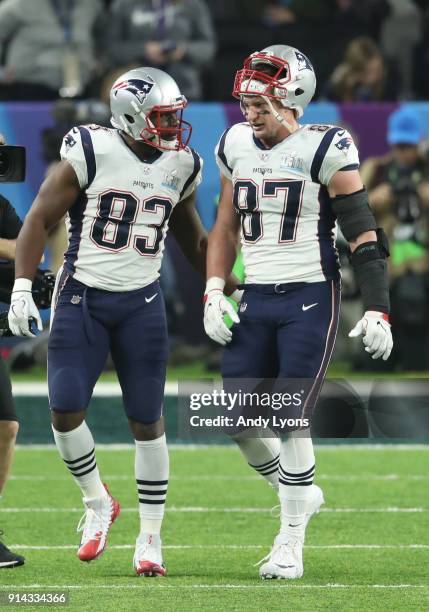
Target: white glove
x,y
377,336
236,295
215,307
22,307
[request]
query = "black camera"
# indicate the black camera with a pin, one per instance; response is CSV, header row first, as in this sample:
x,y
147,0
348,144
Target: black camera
x,y
12,164
4,325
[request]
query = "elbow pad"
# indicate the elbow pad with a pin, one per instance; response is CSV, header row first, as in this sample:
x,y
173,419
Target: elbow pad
x,y
369,266
354,214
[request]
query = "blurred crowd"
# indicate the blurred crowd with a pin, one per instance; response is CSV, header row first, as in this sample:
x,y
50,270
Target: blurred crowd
x,y
398,190
362,49
398,187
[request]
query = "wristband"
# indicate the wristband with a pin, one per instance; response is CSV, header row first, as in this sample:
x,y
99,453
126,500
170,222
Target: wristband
x,y
236,295
382,315
215,283
22,284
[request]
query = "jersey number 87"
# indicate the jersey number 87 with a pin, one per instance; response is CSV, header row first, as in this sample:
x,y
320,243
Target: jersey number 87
x,y
246,202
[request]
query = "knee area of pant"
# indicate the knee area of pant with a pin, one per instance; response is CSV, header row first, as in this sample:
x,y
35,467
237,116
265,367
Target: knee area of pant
x,y
68,390
64,422
147,431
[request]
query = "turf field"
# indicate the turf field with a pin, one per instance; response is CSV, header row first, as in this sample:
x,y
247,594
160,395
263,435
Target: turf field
x,y
368,549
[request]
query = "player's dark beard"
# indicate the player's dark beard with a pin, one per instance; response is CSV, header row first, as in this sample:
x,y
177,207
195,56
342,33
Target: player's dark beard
x,y
144,151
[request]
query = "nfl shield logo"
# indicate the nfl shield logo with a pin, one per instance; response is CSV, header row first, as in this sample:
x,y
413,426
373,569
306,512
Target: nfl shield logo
x,y
243,307
76,299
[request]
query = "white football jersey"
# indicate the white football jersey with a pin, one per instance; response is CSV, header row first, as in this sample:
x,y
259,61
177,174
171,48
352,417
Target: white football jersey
x,y
118,225
288,229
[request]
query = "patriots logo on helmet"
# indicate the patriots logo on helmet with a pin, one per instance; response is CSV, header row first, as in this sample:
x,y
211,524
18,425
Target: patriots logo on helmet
x,y
303,62
344,143
138,87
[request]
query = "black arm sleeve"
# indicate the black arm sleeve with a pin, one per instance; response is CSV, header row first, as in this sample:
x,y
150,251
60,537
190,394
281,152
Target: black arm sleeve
x,y
370,268
10,223
354,214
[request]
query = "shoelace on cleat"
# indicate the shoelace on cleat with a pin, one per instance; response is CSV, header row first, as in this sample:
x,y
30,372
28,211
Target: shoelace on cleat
x,y
91,524
276,548
141,552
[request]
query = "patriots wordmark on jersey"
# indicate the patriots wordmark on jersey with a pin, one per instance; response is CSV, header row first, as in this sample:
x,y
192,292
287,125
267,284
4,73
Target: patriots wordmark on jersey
x,y
288,230
118,225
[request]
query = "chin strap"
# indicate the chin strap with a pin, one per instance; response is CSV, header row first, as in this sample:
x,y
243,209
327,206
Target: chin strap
x,y
278,116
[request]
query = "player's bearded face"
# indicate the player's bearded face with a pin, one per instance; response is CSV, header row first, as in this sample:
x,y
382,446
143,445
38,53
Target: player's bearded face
x,y
262,121
167,124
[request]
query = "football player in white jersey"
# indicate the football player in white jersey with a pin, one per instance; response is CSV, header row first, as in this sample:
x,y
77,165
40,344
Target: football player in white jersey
x,y
284,186
121,189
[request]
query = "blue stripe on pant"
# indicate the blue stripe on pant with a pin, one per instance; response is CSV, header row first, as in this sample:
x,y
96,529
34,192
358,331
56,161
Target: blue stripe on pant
x,y
289,336
87,324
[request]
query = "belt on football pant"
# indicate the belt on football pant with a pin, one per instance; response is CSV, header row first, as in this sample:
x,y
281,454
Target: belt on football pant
x,y
275,289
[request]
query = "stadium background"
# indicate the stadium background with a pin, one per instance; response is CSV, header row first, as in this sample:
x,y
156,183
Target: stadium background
x,y
23,123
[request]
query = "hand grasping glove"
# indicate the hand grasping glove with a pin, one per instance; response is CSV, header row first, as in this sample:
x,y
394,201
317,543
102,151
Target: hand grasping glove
x,y
377,337
216,305
22,308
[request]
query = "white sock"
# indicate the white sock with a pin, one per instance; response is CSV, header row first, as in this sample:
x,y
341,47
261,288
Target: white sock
x,y
77,450
151,470
261,453
296,473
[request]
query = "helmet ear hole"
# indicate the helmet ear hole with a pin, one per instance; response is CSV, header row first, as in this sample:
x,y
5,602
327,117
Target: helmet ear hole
x,y
299,91
129,118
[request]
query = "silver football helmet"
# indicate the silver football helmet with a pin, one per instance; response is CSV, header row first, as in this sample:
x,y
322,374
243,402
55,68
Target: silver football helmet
x,y
280,72
146,104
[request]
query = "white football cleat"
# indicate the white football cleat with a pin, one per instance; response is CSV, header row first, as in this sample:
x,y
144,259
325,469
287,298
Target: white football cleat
x,y
284,560
314,503
99,515
148,556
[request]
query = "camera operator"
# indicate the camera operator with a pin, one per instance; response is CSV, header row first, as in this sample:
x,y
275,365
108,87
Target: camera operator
x,y
398,187
10,224
12,169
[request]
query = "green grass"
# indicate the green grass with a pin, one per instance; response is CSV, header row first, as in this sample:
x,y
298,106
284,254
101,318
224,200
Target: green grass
x,y
210,554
